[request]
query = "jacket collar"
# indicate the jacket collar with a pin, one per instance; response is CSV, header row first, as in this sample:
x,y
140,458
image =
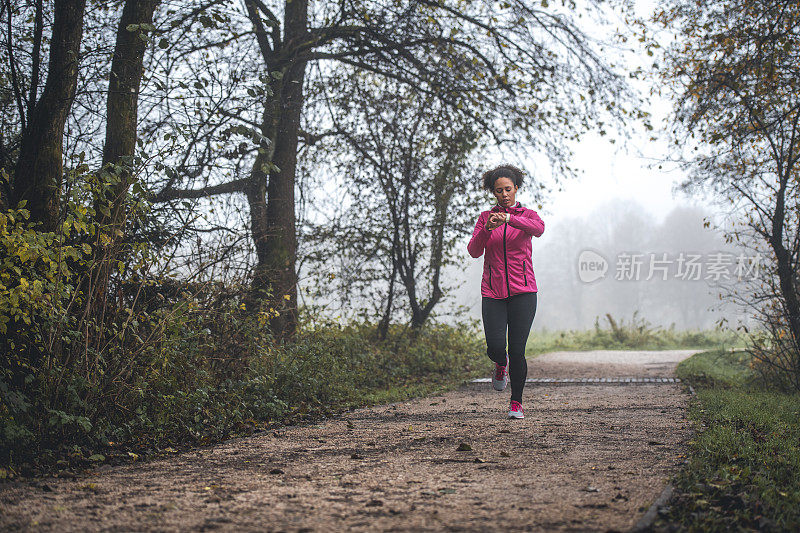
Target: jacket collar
x,y
516,209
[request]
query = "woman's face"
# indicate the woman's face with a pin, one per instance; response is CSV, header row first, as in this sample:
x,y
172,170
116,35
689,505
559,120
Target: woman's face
x,y
505,191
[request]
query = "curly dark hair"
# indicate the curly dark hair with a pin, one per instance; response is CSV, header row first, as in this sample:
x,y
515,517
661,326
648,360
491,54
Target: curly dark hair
x,y
503,171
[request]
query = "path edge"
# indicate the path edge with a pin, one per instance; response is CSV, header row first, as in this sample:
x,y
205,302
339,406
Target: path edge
x,y
649,517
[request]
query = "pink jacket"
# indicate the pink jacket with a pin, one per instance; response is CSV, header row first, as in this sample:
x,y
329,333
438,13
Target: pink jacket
x,y
507,267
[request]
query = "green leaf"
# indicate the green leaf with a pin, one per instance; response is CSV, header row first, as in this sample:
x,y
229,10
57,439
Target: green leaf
x,y
85,425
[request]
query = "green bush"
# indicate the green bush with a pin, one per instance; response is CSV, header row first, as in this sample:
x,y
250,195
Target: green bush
x,y
37,284
87,364
341,365
144,362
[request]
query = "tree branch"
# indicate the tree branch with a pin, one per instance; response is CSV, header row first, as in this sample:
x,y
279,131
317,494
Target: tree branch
x,y
211,190
36,56
12,65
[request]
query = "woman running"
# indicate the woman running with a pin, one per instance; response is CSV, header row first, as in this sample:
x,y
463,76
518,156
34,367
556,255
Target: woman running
x,y
508,287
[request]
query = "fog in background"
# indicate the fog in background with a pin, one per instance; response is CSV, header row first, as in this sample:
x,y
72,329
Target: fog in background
x,y
615,227
625,198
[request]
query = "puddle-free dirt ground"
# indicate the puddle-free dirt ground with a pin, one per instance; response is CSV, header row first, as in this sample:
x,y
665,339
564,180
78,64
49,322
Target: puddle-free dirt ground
x,y
586,457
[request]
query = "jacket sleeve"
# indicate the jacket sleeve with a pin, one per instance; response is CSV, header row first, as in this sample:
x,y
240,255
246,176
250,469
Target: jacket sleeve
x,y
529,222
479,237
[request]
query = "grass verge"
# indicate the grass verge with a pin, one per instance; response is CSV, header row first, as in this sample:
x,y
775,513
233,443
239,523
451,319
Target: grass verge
x,y
635,334
742,471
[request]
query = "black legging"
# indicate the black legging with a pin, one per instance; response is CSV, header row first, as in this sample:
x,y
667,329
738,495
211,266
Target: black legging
x,y
515,313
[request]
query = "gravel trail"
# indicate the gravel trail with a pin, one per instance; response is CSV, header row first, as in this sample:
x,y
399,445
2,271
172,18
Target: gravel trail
x,y
586,457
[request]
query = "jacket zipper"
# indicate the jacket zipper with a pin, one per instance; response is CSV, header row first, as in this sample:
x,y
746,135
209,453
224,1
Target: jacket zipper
x,y
505,260
524,273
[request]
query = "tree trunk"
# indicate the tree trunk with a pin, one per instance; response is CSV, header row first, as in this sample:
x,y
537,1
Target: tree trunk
x,y
39,170
122,106
280,243
383,325
444,187
783,259
419,313
273,220
123,94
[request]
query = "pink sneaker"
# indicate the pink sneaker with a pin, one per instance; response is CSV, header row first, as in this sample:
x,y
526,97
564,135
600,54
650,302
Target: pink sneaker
x,y
500,376
515,411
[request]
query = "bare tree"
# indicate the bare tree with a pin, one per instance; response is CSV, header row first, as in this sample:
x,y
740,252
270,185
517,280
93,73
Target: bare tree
x,y
515,72
410,194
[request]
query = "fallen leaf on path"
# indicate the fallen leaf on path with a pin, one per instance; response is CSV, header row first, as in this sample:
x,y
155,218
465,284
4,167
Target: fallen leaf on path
x,y
464,447
90,487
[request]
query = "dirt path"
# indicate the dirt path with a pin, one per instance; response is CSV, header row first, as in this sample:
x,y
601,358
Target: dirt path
x,y
586,457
